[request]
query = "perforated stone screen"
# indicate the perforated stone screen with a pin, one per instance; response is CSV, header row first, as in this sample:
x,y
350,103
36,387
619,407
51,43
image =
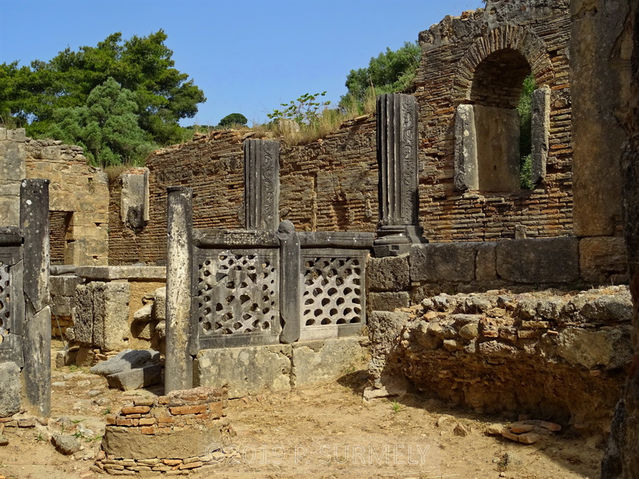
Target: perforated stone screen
x,y
333,291
5,306
236,297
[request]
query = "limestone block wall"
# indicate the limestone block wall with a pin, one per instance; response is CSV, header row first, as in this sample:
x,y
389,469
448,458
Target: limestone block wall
x,y
79,201
12,170
99,308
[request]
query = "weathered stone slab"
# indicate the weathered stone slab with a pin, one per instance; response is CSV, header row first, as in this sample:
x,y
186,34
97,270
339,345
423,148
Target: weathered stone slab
x,y
485,267
443,262
126,361
540,132
326,361
466,169
603,259
136,378
179,443
261,184
609,348
541,260
388,301
388,274
10,386
246,370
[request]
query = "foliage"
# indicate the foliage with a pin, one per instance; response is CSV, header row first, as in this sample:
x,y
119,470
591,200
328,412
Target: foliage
x,y
31,96
306,110
524,108
234,119
106,126
391,71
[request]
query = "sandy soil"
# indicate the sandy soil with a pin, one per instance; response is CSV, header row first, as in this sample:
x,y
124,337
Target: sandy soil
x,y
326,432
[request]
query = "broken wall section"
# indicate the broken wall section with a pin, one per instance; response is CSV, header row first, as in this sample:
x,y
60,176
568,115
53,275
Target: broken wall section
x,y
79,201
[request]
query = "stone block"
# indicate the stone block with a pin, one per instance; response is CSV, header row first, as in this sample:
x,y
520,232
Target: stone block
x,y
603,259
607,348
136,378
82,314
325,361
541,260
132,443
388,301
485,267
443,262
10,387
63,285
246,370
159,304
111,313
126,361
388,274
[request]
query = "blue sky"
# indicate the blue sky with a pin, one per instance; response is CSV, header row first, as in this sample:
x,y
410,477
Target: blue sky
x,y
248,56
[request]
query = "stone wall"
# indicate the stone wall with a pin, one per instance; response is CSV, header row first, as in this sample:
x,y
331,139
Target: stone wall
x,y
609,35
553,355
524,264
98,308
12,171
172,434
79,201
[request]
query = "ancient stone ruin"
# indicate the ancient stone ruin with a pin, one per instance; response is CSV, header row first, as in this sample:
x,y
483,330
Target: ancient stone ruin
x,y
413,240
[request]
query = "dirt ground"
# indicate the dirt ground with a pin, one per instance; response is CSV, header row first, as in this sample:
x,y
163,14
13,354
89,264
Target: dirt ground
x,y
324,432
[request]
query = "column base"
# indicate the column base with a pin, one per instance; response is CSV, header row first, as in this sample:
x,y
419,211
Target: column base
x,y
394,240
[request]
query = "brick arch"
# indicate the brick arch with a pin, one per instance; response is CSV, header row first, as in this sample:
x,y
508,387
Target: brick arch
x,y
508,37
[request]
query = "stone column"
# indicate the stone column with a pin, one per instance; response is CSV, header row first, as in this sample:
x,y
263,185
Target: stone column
x,y
290,282
261,184
178,368
34,223
398,173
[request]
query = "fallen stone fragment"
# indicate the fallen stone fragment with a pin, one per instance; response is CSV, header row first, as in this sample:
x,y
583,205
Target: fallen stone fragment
x,y
3,441
550,426
136,378
461,430
495,429
65,444
521,427
528,438
126,361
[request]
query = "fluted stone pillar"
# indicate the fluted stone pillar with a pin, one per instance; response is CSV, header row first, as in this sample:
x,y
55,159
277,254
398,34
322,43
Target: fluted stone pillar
x,y
261,184
398,175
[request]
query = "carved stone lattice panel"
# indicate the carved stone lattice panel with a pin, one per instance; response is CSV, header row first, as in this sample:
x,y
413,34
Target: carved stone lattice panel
x,y
5,304
333,291
237,296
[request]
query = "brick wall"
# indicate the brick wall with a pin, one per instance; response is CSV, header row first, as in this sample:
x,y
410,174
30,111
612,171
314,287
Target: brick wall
x,y
453,51
331,183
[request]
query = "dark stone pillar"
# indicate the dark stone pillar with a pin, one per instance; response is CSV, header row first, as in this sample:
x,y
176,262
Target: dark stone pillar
x,y
34,222
178,369
290,282
261,184
398,173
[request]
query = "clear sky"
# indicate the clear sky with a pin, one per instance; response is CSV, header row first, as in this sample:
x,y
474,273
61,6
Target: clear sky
x,y
248,56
